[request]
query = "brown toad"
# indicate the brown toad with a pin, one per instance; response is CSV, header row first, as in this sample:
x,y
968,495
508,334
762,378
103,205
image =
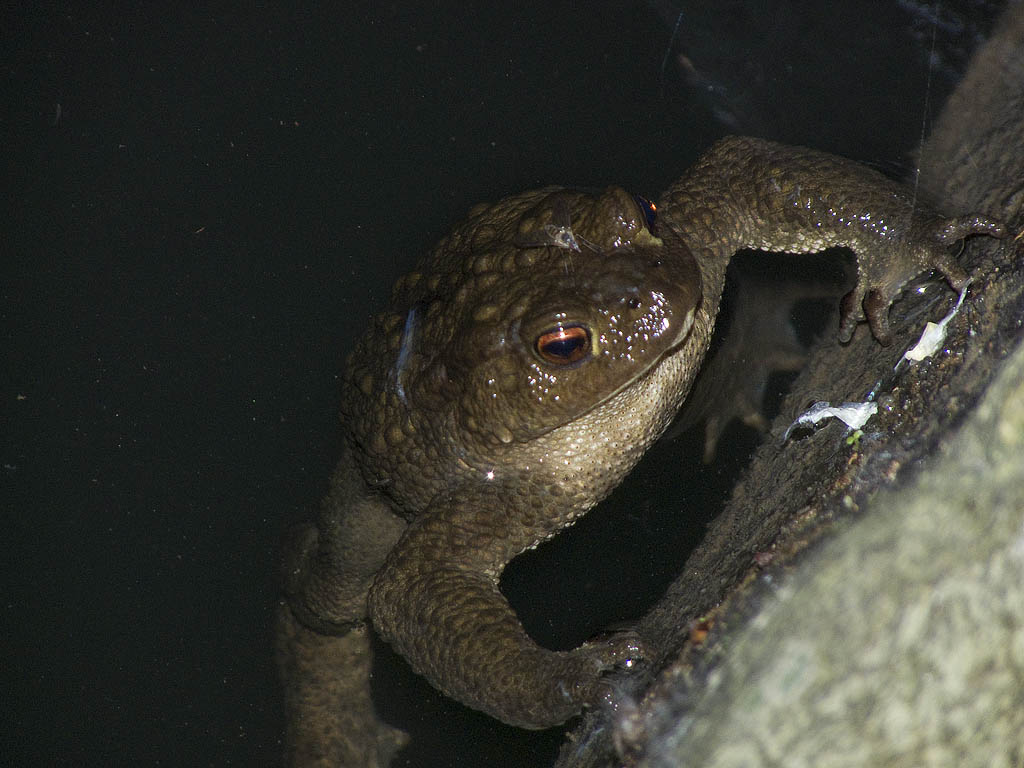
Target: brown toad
x,y
516,377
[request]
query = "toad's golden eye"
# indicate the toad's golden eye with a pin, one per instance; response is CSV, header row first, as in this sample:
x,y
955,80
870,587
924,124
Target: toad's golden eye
x,y
649,211
564,345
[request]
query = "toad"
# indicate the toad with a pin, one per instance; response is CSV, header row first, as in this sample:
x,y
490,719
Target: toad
x,y
515,378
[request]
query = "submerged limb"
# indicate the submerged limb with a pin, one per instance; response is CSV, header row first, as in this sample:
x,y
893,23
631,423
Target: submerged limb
x,y
329,712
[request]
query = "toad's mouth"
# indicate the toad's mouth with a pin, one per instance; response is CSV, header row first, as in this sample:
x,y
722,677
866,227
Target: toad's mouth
x,y
682,335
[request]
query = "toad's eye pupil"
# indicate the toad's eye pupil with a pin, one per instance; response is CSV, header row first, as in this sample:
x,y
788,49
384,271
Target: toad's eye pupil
x,y
564,345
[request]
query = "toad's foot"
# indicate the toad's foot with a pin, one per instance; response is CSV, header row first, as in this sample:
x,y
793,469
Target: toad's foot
x,y
880,280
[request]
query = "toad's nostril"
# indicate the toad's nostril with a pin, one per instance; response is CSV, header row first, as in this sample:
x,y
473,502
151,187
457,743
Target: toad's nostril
x,y
635,303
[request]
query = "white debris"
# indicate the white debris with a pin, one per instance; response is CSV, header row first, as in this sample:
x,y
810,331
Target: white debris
x,y
853,415
856,415
934,335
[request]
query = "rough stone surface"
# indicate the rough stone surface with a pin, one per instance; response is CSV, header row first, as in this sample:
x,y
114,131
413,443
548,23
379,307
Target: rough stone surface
x,y
901,641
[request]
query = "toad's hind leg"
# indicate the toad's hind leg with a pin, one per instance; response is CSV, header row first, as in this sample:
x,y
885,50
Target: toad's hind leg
x,y
330,716
324,652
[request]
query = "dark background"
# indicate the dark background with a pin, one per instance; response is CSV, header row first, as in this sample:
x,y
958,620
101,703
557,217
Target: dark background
x,y
203,208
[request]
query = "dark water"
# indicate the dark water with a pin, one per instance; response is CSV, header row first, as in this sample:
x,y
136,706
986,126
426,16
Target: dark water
x,y
204,208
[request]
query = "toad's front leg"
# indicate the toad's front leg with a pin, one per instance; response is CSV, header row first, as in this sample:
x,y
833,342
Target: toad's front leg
x,y
751,193
437,602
